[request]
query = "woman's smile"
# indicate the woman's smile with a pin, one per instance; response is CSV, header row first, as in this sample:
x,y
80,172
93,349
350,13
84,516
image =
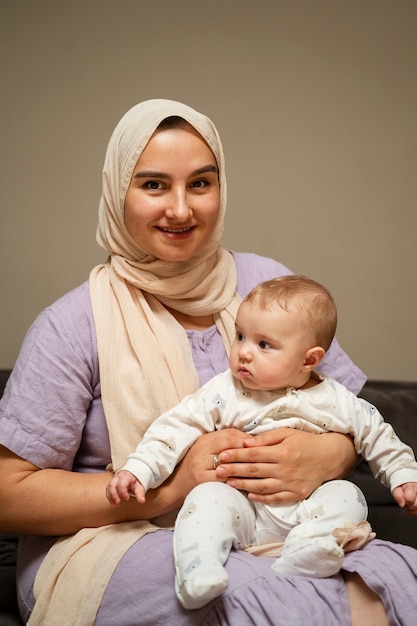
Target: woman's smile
x,y
180,233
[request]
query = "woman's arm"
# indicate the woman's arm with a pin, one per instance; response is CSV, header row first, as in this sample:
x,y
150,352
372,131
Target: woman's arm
x,y
60,502
286,465
283,465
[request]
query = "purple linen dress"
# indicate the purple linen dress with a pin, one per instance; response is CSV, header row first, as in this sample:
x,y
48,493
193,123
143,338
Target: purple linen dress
x,y
52,415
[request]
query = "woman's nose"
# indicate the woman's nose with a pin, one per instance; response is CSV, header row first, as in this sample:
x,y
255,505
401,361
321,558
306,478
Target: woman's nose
x,y
179,207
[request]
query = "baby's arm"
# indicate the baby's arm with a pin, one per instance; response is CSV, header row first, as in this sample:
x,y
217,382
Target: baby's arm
x,y
406,497
122,485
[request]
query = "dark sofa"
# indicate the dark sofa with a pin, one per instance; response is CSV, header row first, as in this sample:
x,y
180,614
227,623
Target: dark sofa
x,y
397,402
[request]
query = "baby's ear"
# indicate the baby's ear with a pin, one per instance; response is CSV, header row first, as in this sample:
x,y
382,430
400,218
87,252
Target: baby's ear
x,y
313,357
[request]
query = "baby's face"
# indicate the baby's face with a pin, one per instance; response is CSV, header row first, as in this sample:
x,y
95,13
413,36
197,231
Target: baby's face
x,y
269,348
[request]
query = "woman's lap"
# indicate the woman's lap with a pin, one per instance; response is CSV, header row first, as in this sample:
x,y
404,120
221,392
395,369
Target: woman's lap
x,y
141,591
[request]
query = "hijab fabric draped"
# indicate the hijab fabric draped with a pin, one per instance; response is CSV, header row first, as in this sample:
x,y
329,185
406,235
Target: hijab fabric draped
x,y
145,361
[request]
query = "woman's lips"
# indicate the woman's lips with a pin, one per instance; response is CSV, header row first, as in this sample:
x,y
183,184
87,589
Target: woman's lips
x,y
177,233
175,230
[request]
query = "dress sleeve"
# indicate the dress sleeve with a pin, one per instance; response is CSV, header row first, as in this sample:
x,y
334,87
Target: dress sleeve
x,y
47,398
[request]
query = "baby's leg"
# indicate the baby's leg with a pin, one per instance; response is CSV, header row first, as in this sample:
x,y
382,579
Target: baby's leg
x,y
310,549
213,518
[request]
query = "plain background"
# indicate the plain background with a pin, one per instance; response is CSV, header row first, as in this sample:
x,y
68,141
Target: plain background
x,y
315,101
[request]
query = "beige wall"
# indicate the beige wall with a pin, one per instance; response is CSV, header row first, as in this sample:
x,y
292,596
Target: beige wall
x,y
316,102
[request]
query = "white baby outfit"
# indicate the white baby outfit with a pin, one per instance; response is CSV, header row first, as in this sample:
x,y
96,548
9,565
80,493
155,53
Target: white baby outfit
x,y
215,517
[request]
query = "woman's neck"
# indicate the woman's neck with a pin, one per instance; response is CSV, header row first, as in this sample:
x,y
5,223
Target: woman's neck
x,y
191,322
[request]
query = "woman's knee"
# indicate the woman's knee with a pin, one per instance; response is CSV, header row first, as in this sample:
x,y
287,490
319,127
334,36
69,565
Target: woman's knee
x,y
365,606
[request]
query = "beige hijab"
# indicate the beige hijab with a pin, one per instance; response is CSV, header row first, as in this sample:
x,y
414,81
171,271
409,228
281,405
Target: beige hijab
x,y
145,360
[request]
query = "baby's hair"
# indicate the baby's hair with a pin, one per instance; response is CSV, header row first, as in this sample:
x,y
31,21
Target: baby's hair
x,y
312,302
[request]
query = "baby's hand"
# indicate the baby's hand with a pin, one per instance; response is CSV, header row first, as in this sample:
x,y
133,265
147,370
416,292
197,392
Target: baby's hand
x,y
406,497
122,486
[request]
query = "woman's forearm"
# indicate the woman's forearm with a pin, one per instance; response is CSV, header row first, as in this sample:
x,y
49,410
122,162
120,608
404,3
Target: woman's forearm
x,y
59,502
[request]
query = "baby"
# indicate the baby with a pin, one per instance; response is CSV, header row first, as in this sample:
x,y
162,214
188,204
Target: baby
x,y
283,329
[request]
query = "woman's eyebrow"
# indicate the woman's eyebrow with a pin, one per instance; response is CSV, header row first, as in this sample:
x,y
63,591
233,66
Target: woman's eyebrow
x,y
155,174
206,168
150,174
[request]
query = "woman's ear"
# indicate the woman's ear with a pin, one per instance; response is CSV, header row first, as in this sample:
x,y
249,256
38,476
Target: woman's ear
x,y
313,357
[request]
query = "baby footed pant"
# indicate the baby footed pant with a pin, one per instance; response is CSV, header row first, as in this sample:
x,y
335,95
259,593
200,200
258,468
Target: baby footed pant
x,y
215,517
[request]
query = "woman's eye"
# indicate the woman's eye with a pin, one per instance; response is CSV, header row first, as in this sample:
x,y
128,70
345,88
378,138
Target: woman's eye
x,y
153,185
199,184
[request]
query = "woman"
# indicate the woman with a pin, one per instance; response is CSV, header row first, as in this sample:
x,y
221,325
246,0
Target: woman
x,y
97,366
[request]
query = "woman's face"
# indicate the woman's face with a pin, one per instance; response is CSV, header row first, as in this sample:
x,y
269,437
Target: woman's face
x,y
172,203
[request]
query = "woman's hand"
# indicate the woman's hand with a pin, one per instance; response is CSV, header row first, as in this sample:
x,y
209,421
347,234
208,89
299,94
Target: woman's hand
x,y
286,465
198,464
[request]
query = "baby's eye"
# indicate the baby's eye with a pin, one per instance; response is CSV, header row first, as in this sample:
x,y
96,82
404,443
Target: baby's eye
x,y
264,345
239,337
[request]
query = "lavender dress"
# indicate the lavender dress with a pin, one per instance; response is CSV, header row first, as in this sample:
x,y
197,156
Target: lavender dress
x,y
52,415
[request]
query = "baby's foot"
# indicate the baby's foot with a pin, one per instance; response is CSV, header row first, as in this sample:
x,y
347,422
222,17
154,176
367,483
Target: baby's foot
x,y
200,587
319,558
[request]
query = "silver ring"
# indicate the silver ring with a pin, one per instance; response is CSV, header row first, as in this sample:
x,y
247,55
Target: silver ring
x,y
216,461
